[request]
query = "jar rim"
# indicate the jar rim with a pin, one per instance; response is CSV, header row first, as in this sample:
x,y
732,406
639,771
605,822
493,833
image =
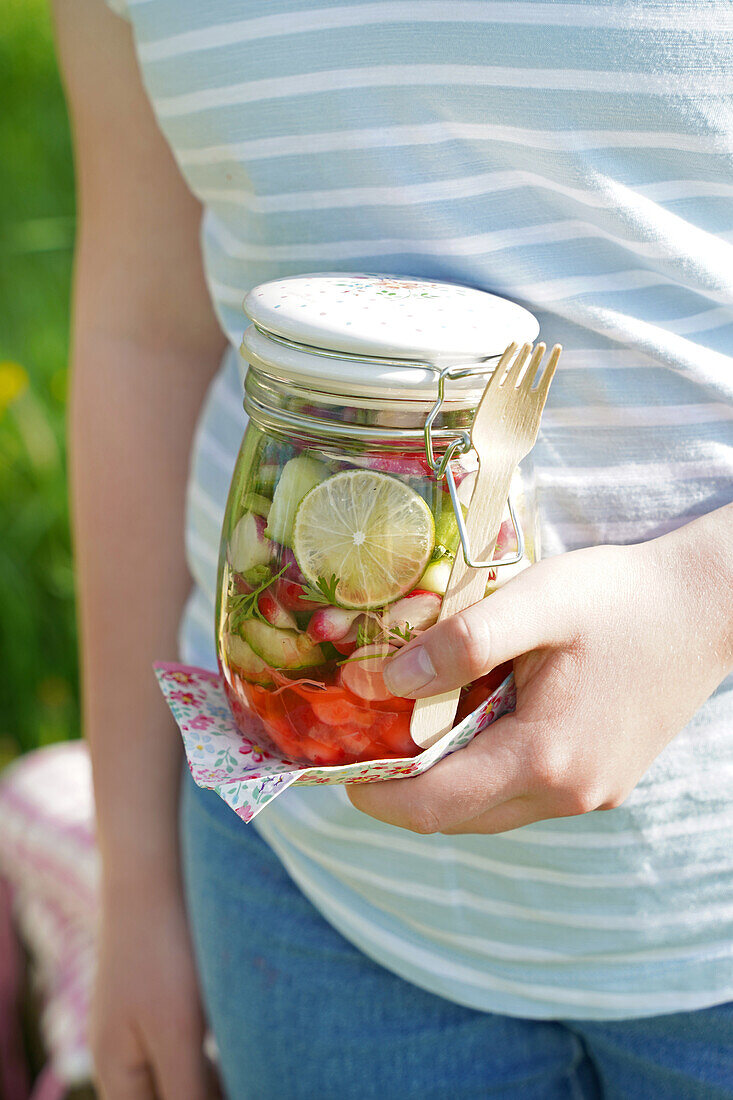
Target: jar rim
x,y
370,377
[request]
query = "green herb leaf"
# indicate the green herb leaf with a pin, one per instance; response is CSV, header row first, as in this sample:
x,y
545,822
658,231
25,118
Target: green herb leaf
x,y
242,606
364,657
324,590
440,551
405,634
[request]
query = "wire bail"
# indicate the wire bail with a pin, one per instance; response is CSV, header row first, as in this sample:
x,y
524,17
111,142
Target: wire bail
x,y
463,443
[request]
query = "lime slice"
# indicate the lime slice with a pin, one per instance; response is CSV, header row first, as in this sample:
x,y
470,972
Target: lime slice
x,y
370,531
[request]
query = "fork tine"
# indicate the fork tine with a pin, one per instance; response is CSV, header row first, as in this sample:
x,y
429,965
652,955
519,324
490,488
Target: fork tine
x,y
546,376
529,375
498,372
516,368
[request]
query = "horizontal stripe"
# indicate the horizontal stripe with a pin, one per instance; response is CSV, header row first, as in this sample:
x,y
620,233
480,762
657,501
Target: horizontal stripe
x,y
647,474
484,183
522,952
666,190
555,289
227,295
574,534
440,133
493,950
477,244
200,613
416,852
623,838
459,898
417,76
200,548
704,321
423,11
229,403
375,939
615,416
209,446
627,359
202,500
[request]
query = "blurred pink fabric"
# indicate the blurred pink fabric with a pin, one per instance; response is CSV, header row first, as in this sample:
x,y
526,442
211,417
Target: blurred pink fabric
x,y
48,864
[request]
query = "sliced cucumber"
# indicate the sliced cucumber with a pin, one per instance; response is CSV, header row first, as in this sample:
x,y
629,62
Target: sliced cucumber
x,y
298,477
248,546
254,502
446,525
242,659
281,648
267,479
436,576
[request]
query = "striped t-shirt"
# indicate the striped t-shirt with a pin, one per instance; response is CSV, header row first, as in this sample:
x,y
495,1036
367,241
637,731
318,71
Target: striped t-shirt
x,y
575,157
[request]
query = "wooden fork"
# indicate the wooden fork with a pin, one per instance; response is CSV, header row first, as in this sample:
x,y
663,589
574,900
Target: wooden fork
x,y
504,430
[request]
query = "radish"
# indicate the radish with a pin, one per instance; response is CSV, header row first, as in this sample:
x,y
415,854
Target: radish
x,y
248,545
292,569
496,578
347,645
363,673
291,595
418,610
335,709
506,541
356,744
331,624
240,585
275,613
389,462
411,464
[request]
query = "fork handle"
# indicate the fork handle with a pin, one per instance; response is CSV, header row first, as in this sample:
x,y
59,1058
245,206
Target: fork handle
x,y
433,716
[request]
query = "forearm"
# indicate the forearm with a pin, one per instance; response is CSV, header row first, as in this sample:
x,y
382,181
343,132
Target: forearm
x,y
132,416
145,346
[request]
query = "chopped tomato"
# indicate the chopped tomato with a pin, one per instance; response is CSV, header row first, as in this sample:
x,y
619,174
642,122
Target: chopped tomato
x,y
481,689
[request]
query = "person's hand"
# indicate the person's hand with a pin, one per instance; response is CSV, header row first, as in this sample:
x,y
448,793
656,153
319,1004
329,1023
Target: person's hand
x,y
147,1022
615,648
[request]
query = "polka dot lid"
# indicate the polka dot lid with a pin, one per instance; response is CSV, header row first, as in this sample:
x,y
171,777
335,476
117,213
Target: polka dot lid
x,y
377,316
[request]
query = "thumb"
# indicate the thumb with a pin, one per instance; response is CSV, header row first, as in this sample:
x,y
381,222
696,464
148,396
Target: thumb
x,y
530,612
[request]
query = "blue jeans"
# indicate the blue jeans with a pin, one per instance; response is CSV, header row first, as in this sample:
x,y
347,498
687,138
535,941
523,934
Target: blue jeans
x,y
298,1012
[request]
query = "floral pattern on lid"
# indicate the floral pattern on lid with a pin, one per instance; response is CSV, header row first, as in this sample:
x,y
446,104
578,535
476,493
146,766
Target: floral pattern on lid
x,y
248,776
374,314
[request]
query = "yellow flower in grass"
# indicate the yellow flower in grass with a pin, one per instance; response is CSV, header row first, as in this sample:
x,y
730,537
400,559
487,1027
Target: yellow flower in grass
x,y
13,382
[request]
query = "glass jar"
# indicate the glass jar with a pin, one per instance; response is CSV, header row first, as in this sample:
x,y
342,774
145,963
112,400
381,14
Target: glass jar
x,y
340,529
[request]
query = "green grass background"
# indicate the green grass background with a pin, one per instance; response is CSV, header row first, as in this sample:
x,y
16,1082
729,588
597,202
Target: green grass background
x,y
38,665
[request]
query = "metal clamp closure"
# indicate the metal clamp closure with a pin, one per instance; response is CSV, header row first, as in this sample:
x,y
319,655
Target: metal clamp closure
x,y
461,444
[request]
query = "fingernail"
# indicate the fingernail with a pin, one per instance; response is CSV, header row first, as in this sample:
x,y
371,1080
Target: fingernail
x,y
409,671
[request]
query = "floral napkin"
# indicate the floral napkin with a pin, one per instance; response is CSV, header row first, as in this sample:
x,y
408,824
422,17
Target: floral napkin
x,y
248,776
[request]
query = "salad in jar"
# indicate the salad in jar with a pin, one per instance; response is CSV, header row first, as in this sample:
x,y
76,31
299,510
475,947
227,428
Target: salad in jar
x,y
333,557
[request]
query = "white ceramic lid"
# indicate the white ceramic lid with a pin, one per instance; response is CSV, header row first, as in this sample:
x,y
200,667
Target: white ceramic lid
x,y
379,316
